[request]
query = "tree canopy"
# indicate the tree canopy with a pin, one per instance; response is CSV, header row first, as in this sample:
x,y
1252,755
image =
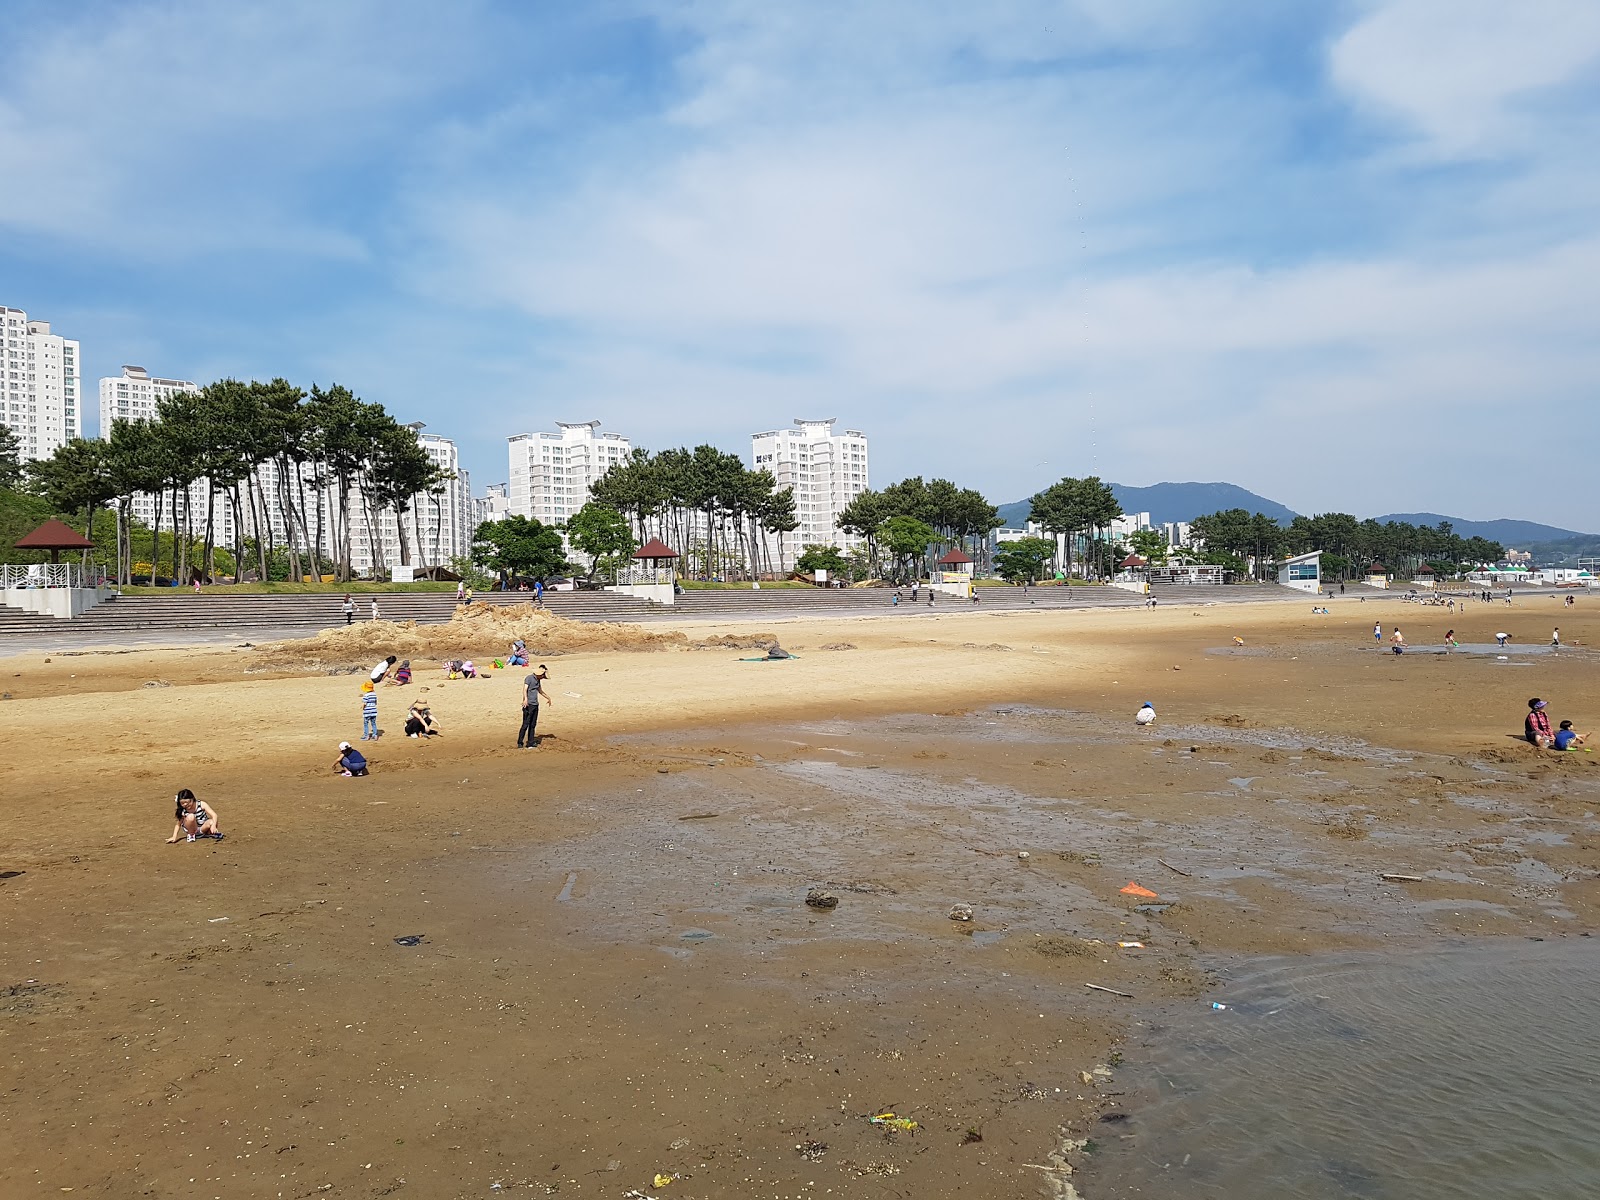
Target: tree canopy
x,y
519,546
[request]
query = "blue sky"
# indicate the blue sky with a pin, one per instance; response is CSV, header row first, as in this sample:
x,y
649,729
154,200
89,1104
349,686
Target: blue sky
x,y
1343,254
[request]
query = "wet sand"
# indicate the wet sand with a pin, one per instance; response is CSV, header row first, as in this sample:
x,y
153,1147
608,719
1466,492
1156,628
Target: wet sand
x,y
619,976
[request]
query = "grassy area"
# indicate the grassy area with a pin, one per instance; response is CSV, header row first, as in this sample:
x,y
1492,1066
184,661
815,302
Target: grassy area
x,y
294,589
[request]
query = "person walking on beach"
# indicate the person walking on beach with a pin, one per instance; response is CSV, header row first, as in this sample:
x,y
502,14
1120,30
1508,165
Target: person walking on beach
x,y
349,608
1450,641
1398,640
1555,638
461,589
532,692
369,712
1377,632
374,608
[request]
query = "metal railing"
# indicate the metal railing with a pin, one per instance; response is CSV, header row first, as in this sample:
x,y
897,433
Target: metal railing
x,y
631,575
52,575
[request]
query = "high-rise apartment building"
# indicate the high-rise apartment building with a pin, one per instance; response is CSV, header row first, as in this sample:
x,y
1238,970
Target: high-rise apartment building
x,y
134,395
41,385
827,470
551,473
494,504
438,525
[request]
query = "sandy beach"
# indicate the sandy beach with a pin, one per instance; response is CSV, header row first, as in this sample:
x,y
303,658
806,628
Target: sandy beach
x,y
618,977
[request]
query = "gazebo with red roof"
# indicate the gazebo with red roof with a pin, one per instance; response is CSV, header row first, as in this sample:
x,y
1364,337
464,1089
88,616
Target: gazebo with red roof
x,y
955,561
655,554
55,537
1132,563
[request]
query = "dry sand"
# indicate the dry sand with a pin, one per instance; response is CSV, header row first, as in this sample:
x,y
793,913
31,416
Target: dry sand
x,y
619,976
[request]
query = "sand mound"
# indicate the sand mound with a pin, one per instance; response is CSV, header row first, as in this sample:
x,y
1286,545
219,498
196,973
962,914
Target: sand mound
x,y
478,632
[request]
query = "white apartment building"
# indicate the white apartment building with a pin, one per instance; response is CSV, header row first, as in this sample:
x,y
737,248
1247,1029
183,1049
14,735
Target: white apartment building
x,y
494,504
551,473
134,396
439,526
41,385
826,470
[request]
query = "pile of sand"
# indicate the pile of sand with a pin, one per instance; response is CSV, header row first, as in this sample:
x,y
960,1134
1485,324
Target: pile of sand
x,y
478,632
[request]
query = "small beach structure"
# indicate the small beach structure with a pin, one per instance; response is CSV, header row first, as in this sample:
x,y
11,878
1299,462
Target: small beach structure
x,y
1377,576
55,588
652,575
954,574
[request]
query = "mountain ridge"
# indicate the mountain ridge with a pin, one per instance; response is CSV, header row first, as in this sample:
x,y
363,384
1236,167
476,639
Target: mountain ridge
x,y
1172,502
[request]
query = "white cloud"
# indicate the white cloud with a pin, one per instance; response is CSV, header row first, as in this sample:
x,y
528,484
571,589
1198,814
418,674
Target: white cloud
x,y
1456,70
192,128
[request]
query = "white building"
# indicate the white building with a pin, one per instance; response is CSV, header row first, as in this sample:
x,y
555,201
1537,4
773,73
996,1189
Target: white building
x,y
41,387
494,504
438,525
826,470
1304,571
134,396
551,473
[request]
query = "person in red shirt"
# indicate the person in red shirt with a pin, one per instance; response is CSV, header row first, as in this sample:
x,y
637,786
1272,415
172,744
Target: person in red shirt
x,y
1537,726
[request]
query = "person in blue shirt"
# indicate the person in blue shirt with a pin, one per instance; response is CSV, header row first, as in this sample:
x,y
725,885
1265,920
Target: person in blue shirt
x,y
351,761
1567,738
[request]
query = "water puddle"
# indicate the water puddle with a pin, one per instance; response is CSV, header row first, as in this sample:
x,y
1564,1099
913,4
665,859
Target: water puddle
x,y
1467,1071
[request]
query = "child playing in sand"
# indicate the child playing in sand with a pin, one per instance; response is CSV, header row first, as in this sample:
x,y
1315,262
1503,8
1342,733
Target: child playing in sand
x,y
351,761
1567,738
402,675
195,819
369,712
1146,715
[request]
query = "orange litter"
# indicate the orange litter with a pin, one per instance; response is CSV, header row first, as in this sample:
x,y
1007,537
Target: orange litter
x,y
1133,889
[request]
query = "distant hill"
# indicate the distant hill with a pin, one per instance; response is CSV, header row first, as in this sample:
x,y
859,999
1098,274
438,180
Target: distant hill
x,y
1517,534
1173,502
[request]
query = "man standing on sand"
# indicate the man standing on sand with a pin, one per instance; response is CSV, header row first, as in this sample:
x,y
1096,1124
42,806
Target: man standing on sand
x,y
532,692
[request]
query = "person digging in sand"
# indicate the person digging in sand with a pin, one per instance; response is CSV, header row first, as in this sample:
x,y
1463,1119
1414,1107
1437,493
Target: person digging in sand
x,y
351,761
1568,738
195,819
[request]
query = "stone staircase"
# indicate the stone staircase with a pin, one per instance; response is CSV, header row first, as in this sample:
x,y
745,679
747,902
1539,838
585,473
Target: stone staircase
x,y
144,615
213,615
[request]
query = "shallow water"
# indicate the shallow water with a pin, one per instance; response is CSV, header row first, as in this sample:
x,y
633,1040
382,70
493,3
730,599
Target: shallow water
x,y
1463,1072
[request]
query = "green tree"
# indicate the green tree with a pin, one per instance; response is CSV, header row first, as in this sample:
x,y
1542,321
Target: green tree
x,y
1150,545
602,533
521,546
10,459
1023,560
907,539
822,558
1074,507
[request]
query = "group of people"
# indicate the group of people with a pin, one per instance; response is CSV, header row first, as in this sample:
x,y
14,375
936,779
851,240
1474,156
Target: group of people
x,y
1536,728
349,609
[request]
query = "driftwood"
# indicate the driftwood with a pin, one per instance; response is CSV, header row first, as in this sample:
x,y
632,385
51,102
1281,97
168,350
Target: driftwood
x,y
1097,988
1393,878
1170,867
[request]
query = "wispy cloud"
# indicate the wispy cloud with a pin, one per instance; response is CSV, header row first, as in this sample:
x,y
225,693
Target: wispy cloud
x,y
1294,246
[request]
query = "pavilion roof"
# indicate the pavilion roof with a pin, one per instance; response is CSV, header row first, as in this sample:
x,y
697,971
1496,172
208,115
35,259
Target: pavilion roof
x,y
54,535
655,548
